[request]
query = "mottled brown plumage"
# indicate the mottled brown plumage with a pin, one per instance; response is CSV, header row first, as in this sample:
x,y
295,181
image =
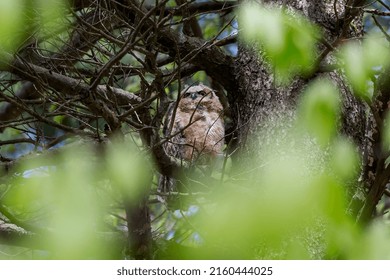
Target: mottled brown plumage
x,y
197,131
194,130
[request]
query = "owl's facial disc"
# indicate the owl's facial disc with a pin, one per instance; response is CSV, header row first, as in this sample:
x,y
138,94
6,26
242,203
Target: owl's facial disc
x,y
198,93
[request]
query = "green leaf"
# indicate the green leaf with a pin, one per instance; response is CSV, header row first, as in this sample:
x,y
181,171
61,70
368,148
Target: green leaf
x,y
10,24
18,18
359,61
319,110
127,168
50,14
344,159
373,243
288,41
68,192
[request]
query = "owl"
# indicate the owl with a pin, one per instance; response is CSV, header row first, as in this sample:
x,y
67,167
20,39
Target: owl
x,y
194,129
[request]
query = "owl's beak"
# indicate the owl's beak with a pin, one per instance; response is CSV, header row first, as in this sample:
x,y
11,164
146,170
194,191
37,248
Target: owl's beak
x,y
194,95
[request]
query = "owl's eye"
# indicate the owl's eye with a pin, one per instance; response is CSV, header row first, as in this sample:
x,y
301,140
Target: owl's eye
x,y
202,92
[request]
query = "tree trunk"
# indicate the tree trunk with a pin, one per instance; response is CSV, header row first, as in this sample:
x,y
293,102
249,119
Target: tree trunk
x,y
259,102
139,227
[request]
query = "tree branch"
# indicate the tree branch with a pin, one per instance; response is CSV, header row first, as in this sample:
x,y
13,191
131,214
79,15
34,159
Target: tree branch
x,y
80,40
201,53
12,235
377,12
202,7
69,86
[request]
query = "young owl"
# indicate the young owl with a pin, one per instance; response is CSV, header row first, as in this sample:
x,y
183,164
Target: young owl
x,y
194,130
197,129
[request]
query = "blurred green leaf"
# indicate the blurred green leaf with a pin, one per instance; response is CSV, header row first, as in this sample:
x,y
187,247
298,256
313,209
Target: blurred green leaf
x,y
22,18
28,197
319,110
68,195
74,217
127,168
11,23
372,244
344,159
49,14
330,200
288,41
288,200
341,237
360,60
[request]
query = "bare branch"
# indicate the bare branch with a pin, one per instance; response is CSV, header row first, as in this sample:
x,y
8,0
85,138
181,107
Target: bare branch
x,y
377,12
68,85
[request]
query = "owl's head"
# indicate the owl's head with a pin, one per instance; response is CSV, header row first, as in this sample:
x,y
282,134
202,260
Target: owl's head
x,y
198,92
199,97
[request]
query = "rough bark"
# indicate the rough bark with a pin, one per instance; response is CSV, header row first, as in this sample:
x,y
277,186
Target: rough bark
x,y
259,104
258,97
377,171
